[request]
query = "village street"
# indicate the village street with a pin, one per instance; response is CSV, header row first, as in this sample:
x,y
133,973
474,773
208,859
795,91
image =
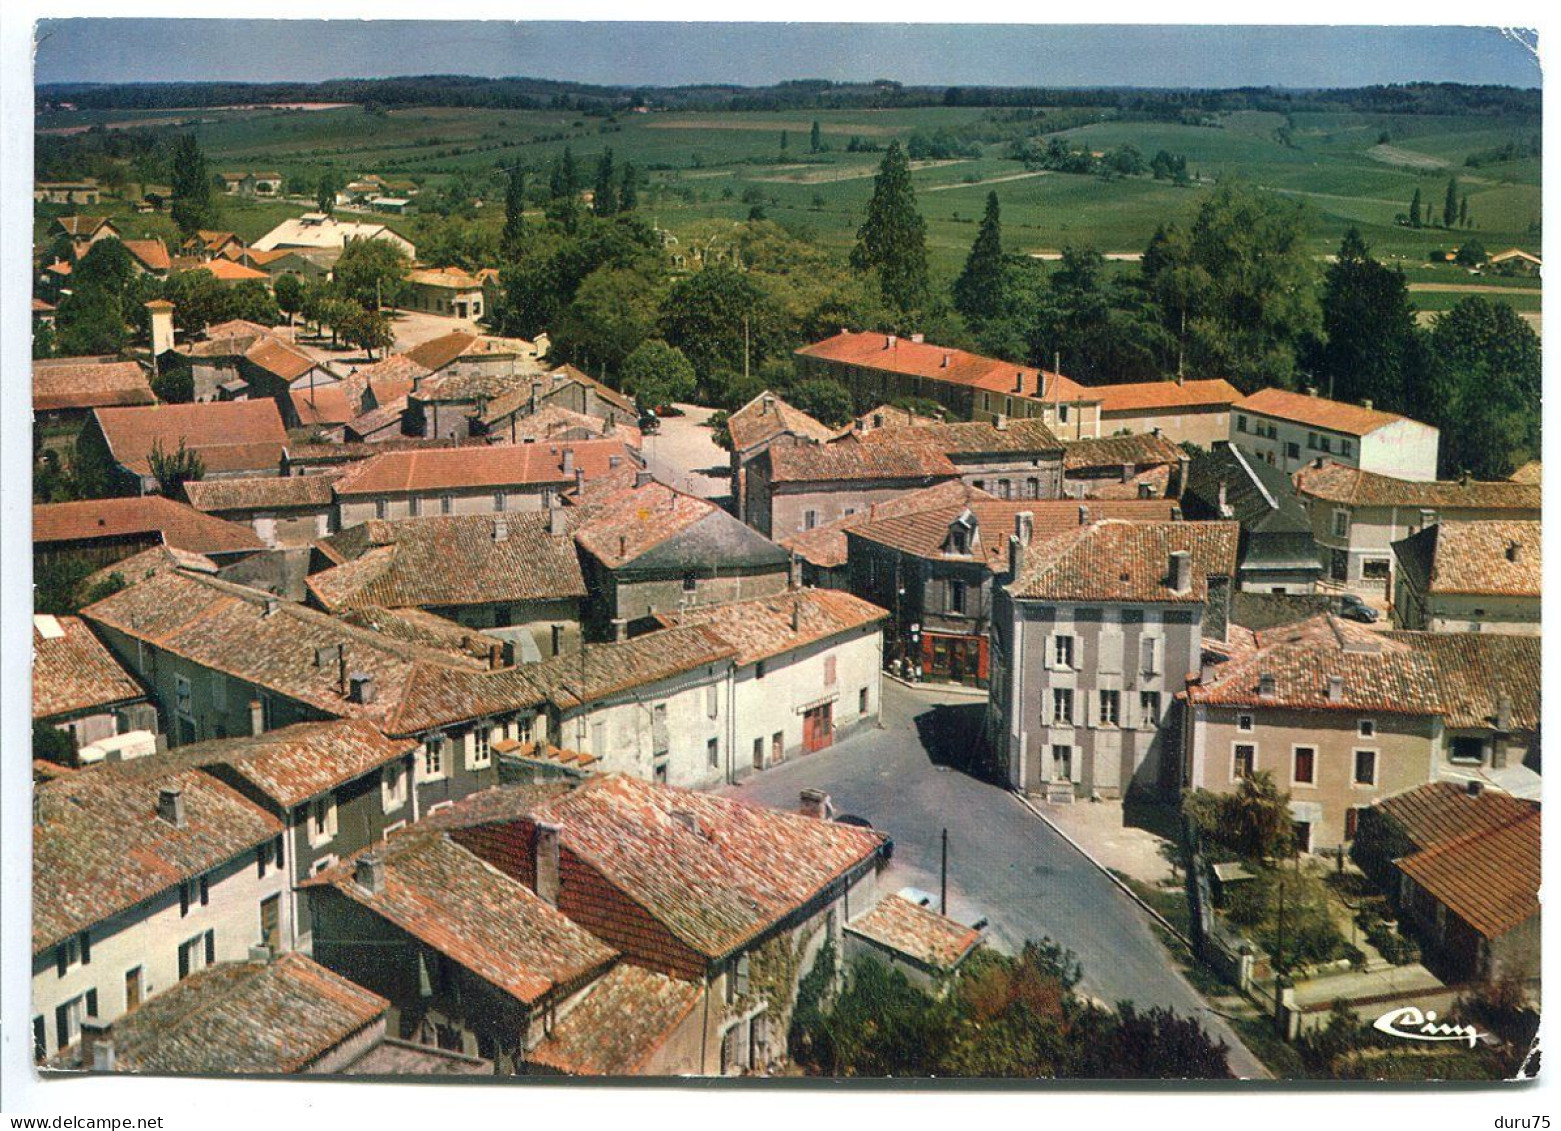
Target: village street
x,y
1004,863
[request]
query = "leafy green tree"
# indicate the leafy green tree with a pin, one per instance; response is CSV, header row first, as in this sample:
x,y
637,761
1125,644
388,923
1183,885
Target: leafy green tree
x,y
106,265
193,206
980,291
1450,203
43,340
289,293
1463,211
325,190
1238,288
1372,347
893,238
827,401
252,301
613,311
785,142
199,299
1485,395
369,330
512,240
658,374
628,191
815,139
51,744
1415,209
538,288
721,319
90,320
447,241
175,385
371,272
604,199
1471,253
564,192
1254,821
173,470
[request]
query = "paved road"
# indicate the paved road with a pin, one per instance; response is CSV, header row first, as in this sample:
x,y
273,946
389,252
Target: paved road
x,y
682,455
1004,862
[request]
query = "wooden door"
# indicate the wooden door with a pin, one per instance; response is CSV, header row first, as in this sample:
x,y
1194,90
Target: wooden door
x,y
271,923
132,988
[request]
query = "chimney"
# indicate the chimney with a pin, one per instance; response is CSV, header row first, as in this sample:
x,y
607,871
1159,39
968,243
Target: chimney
x,y
495,656
500,530
1514,551
1267,685
1504,712
796,616
1474,788
1366,402
1024,526
170,805
579,479
889,341
643,478
946,359
918,338
360,687
1083,515
1146,490
794,571
1001,423
370,874
1336,689
1127,472
545,863
1016,548
556,523
620,629
688,820
342,684
816,804
767,405
1463,478
272,605
257,717
1223,505
623,544
97,1044
569,461
1181,571
259,954
1311,390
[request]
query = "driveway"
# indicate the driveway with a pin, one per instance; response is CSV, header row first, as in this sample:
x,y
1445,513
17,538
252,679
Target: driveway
x,y
1004,862
683,455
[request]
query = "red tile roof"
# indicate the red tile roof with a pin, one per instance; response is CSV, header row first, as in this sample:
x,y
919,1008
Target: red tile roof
x,y
1117,451
477,467
1317,412
436,353
73,672
266,492
768,416
153,254
1127,561
951,366
598,671
104,849
857,461
1170,396
77,383
227,271
228,435
1531,472
1444,812
1484,558
617,522
325,405
715,872
1490,881
1336,483
279,1016
494,926
450,560
763,627
179,524
826,547
934,941
621,1023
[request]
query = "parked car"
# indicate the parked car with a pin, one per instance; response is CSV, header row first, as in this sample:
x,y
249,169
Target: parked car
x,y
1352,607
863,823
649,423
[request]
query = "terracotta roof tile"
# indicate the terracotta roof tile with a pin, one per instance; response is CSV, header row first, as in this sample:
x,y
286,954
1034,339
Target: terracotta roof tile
x,y
1444,812
1335,483
325,405
716,872
1117,451
436,353
153,254
73,671
619,522
763,627
622,1021
1532,472
179,524
495,466
826,548
973,438
104,849
1318,412
1127,561
244,1017
947,365
68,383
228,435
857,460
768,416
935,941
598,671
450,560
1168,395
1487,558
268,492
494,926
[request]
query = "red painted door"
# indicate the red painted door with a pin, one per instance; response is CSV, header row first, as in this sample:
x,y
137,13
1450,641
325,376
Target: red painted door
x,y
818,728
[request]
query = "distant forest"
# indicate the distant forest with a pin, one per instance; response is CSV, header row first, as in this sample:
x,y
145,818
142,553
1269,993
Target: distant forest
x,y
808,94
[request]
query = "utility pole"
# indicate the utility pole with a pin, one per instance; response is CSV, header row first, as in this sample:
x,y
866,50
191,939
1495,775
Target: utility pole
x,y
943,883
745,345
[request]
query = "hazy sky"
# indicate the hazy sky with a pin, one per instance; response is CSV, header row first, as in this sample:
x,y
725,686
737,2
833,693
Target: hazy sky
x,y
101,50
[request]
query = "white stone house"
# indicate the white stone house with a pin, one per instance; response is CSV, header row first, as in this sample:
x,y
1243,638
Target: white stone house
x,y
1289,430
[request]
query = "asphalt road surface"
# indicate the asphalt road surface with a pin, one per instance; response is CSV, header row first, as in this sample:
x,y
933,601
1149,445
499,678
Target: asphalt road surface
x,y
1004,862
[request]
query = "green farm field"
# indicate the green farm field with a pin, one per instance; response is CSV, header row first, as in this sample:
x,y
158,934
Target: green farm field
x,y
1349,169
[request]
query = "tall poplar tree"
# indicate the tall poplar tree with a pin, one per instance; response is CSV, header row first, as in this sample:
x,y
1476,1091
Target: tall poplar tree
x,y
980,290
192,206
514,213
628,194
1450,203
1414,209
604,201
893,238
816,139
